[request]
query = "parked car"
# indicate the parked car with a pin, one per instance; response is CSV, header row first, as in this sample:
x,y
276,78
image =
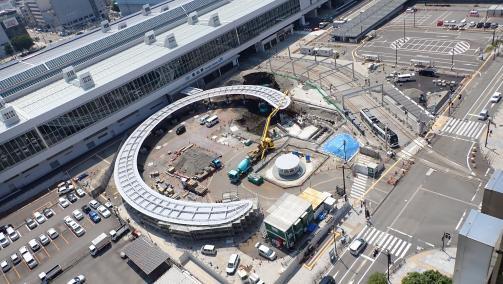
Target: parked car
x,y
180,130
30,223
496,97
64,202
327,280
487,25
77,214
104,211
15,258
39,217
480,25
265,251
95,217
34,245
94,204
23,250
80,192
48,212
494,25
472,24
109,205
232,264
5,265
52,233
69,221
13,235
44,240
72,197
4,241
357,246
209,250
86,209
78,230
77,280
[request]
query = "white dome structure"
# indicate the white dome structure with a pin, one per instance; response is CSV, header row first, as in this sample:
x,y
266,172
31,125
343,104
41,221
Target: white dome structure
x,y
288,165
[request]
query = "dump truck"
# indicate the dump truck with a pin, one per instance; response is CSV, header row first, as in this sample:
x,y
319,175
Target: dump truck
x,y
100,242
242,169
117,234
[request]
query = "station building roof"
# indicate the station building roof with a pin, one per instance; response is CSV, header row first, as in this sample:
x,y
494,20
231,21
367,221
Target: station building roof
x,y
315,197
286,211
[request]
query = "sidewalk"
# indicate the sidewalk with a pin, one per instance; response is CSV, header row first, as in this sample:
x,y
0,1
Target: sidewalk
x,y
434,259
494,150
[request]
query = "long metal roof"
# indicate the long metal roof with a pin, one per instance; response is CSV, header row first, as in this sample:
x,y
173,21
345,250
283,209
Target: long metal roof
x,y
495,183
286,211
482,228
141,197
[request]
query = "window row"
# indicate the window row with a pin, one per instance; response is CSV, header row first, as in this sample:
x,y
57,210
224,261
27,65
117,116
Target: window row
x,y
20,148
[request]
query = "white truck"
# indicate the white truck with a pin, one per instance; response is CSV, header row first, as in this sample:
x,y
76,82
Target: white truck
x,y
98,243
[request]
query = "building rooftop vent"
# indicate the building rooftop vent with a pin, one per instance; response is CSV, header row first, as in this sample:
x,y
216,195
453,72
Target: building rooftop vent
x,y
8,115
105,26
164,8
214,20
170,41
69,74
145,10
85,81
149,37
192,19
122,25
2,103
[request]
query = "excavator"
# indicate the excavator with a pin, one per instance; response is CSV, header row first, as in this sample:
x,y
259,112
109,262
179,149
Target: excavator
x,y
263,147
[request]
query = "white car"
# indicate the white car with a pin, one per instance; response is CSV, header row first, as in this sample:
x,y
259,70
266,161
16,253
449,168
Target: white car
x,y
495,98
64,202
109,205
23,250
80,192
5,266
44,240
3,240
15,258
78,214
94,204
13,235
34,245
39,217
52,233
68,220
77,280
104,211
79,231
472,24
233,263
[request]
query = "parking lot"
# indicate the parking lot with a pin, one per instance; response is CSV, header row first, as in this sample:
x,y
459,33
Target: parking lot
x,y
456,44
64,250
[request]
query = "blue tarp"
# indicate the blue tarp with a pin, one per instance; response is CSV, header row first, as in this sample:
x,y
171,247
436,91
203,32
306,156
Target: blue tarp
x,y
335,146
312,227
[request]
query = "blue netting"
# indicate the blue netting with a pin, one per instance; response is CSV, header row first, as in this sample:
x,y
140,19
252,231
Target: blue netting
x,y
335,146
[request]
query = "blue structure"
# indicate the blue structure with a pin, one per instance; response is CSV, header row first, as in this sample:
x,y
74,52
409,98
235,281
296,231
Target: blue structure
x,y
335,146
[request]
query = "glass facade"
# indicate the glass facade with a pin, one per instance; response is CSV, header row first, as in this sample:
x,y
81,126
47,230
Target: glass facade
x,y
261,23
72,122
19,149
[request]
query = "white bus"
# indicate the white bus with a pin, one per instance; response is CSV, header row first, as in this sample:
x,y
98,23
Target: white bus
x,y
211,121
404,77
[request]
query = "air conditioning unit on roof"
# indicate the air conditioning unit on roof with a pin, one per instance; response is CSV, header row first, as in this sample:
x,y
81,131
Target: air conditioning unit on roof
x,y
145,10
170,41
192,19
105,26
214,20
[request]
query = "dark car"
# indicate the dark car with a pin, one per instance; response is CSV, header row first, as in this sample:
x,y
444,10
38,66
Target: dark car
x,y
72,197
95,217
327,280
30,223
180,130
480,24
3,229
487,25
494,25
48,213
86,209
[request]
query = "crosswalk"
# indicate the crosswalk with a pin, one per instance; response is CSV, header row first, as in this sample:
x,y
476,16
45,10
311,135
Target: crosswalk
x,y
460,47
359,186
399,42
463,128
384,240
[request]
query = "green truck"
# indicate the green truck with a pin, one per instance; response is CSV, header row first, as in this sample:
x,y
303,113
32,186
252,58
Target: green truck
x,y
255,178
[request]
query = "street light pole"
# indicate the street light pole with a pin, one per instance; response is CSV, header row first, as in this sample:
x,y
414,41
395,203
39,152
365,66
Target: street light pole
x,y
396,55
343,173
335,244
388,254
452,58
404,29
414,18
488,131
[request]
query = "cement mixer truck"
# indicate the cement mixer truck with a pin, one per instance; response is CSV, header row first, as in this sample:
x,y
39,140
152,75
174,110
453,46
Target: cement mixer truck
x,y
243,168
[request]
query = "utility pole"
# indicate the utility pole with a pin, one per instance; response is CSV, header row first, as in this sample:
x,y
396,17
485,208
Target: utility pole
x,y
488,131
404,29
452,58
335,243
414,14
494,33
388,255
396,55
343,173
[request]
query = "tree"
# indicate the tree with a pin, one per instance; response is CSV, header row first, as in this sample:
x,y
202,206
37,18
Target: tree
x,y
8,49
115,7
427,277
22,42
378,278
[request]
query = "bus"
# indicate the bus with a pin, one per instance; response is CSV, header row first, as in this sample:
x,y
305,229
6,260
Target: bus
x,y
380,129
404,77
211,121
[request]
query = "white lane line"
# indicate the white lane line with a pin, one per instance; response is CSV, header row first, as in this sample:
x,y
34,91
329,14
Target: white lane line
x,y
400,232
371,241
388,241
393,243
405,250
460,220
448,124
475,130
469,128
381,242
454,126
401,248
462,129
480,132
370,234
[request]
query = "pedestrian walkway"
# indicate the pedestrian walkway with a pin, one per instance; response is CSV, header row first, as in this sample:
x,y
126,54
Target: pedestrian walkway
x,y
384,240
359,186
434,259
468,129
415,146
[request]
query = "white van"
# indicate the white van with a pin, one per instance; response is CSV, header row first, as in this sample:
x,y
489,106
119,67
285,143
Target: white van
x,y
211,121
208,250
28,258
265,251
202,119
404,77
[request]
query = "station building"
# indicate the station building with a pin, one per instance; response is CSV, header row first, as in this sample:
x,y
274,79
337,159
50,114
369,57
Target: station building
x,y
79,93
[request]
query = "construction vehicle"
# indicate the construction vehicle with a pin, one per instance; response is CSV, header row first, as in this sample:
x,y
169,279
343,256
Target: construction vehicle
x,y
243,168
255,178
100,242
217,164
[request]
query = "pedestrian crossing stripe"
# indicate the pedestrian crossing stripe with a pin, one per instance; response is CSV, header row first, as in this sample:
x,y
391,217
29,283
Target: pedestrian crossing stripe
x,y
465,128
359,186
385,240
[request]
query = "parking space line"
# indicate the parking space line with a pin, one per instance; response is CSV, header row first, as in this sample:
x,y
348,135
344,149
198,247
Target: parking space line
x,y
8,282
55,245
17,273
46,252
87,221
44,206
35,256
63,238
